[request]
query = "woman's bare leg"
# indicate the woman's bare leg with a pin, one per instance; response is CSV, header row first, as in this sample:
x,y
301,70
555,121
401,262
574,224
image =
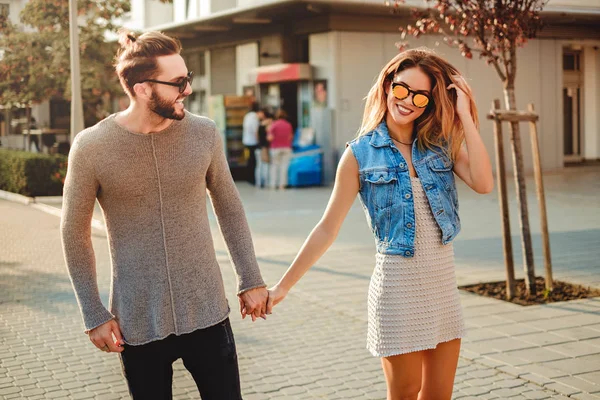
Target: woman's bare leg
x,y
439,369
403,375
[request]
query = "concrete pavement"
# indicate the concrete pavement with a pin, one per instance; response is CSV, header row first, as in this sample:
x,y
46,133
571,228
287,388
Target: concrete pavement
x,y
313,346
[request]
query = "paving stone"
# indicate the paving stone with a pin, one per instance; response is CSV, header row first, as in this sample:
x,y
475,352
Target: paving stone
x,y
580,365
536,395
579,333
9,390
585,396
311,348
575,349
562,389
537,355
537,379
506,392
509,383
579,384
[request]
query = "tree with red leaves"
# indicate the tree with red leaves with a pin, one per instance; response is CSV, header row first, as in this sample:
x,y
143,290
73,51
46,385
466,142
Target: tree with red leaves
x,y
495,29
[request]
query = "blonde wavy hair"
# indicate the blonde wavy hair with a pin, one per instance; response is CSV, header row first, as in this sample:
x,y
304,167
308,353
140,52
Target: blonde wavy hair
x,y
439,126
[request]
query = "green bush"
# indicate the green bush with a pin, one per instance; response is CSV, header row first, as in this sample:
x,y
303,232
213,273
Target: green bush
x,y
32,174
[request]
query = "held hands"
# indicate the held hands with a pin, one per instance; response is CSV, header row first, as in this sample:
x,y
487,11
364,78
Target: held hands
x,y
463,102
254,303
259,302
107,337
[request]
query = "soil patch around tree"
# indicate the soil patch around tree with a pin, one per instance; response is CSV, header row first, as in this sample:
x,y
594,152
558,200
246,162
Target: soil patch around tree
x,y
561,291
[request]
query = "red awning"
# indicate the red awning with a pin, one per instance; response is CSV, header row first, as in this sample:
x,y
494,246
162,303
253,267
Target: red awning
x,y
282,73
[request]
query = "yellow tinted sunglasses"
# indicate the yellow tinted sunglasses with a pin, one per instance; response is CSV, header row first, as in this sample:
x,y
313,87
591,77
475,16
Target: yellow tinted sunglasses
x,y
401,91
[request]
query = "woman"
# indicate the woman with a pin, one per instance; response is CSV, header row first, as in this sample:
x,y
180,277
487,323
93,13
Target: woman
x,y
419,128
280,135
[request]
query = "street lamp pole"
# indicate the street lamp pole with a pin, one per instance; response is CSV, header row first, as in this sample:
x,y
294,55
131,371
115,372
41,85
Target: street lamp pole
x,y
76,101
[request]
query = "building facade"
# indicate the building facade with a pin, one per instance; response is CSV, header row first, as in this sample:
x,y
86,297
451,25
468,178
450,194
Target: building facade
x,y
233,44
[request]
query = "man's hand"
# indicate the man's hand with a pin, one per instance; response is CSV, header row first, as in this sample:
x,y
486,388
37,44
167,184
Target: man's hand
x,y
254,303
107,337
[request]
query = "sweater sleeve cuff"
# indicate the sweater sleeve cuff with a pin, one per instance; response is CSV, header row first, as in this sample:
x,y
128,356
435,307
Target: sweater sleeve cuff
x,y
245,288
95,320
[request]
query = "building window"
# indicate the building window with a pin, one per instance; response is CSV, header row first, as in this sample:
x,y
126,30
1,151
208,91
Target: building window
x,y
571,61
4,8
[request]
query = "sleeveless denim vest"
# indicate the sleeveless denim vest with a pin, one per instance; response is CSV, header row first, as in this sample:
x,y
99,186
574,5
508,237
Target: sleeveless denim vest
x,y
386,191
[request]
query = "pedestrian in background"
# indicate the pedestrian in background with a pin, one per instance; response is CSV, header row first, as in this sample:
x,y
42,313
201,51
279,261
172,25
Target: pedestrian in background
x,y
263,158
250,127
419,128
150,167
281,136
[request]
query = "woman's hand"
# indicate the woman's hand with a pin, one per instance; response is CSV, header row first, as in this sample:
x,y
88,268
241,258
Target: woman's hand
x,y
463,102
276,295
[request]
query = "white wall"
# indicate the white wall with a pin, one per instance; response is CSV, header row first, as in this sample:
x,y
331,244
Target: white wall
x,y
324,56
222,71
539,79
222,5
246,60
591,102
204,8
148,13
41,113
179,10
14,9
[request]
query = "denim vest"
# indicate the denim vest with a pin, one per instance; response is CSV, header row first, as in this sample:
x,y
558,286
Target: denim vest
x,y
386,191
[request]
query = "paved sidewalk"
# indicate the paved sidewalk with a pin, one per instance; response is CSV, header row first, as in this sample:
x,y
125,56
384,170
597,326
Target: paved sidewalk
x,y
313,346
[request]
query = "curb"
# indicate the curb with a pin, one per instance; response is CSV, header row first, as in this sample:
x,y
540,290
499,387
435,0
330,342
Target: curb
x,y
17,198
48,209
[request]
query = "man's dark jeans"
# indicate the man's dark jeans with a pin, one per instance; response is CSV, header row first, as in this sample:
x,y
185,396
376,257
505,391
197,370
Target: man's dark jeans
x,y
208,354
251,165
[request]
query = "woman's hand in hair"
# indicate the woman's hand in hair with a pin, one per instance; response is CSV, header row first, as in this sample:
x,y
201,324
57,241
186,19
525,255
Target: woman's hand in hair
x,y
463,101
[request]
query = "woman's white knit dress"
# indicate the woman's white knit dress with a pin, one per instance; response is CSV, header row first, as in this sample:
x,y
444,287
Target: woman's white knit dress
x,y
414,302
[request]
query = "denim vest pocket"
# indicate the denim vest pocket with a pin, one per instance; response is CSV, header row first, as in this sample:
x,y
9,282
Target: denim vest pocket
x,y
442,167
380,186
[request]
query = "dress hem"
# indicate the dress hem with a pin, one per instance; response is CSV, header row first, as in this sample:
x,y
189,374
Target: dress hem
x,y
415,349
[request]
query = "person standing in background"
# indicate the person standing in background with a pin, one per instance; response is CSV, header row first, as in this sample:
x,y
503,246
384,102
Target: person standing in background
x,y
281,135
250,139
262,152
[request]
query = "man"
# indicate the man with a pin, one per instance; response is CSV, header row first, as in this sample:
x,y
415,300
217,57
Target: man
x,y
150,168
251,124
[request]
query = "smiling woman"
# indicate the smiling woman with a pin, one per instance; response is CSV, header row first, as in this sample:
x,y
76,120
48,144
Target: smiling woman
x,y
417,118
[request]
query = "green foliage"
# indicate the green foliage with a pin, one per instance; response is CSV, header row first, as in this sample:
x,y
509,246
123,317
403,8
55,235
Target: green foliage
x,y
35,65
32,174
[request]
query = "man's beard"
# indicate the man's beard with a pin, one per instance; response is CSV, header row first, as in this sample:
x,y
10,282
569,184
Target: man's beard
x,y
164,108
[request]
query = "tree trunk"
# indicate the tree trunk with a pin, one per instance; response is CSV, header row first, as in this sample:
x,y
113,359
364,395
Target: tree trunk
x,y
503,200
28,126
517,156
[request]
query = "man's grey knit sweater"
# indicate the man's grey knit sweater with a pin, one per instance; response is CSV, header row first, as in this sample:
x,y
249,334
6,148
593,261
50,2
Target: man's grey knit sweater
x,y
152,190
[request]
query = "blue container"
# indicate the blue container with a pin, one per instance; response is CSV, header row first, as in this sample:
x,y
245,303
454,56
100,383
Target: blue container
x,y
306,169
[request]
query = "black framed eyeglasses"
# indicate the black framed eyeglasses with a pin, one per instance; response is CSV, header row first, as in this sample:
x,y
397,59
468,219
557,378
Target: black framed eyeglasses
x,y
401,91
181,85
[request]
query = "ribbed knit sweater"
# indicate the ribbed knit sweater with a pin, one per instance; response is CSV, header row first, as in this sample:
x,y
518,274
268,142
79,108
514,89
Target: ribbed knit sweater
x,y
152,190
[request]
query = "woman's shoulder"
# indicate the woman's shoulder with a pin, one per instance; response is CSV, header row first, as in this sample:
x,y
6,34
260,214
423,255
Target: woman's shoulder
x,y
361,140
281,124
